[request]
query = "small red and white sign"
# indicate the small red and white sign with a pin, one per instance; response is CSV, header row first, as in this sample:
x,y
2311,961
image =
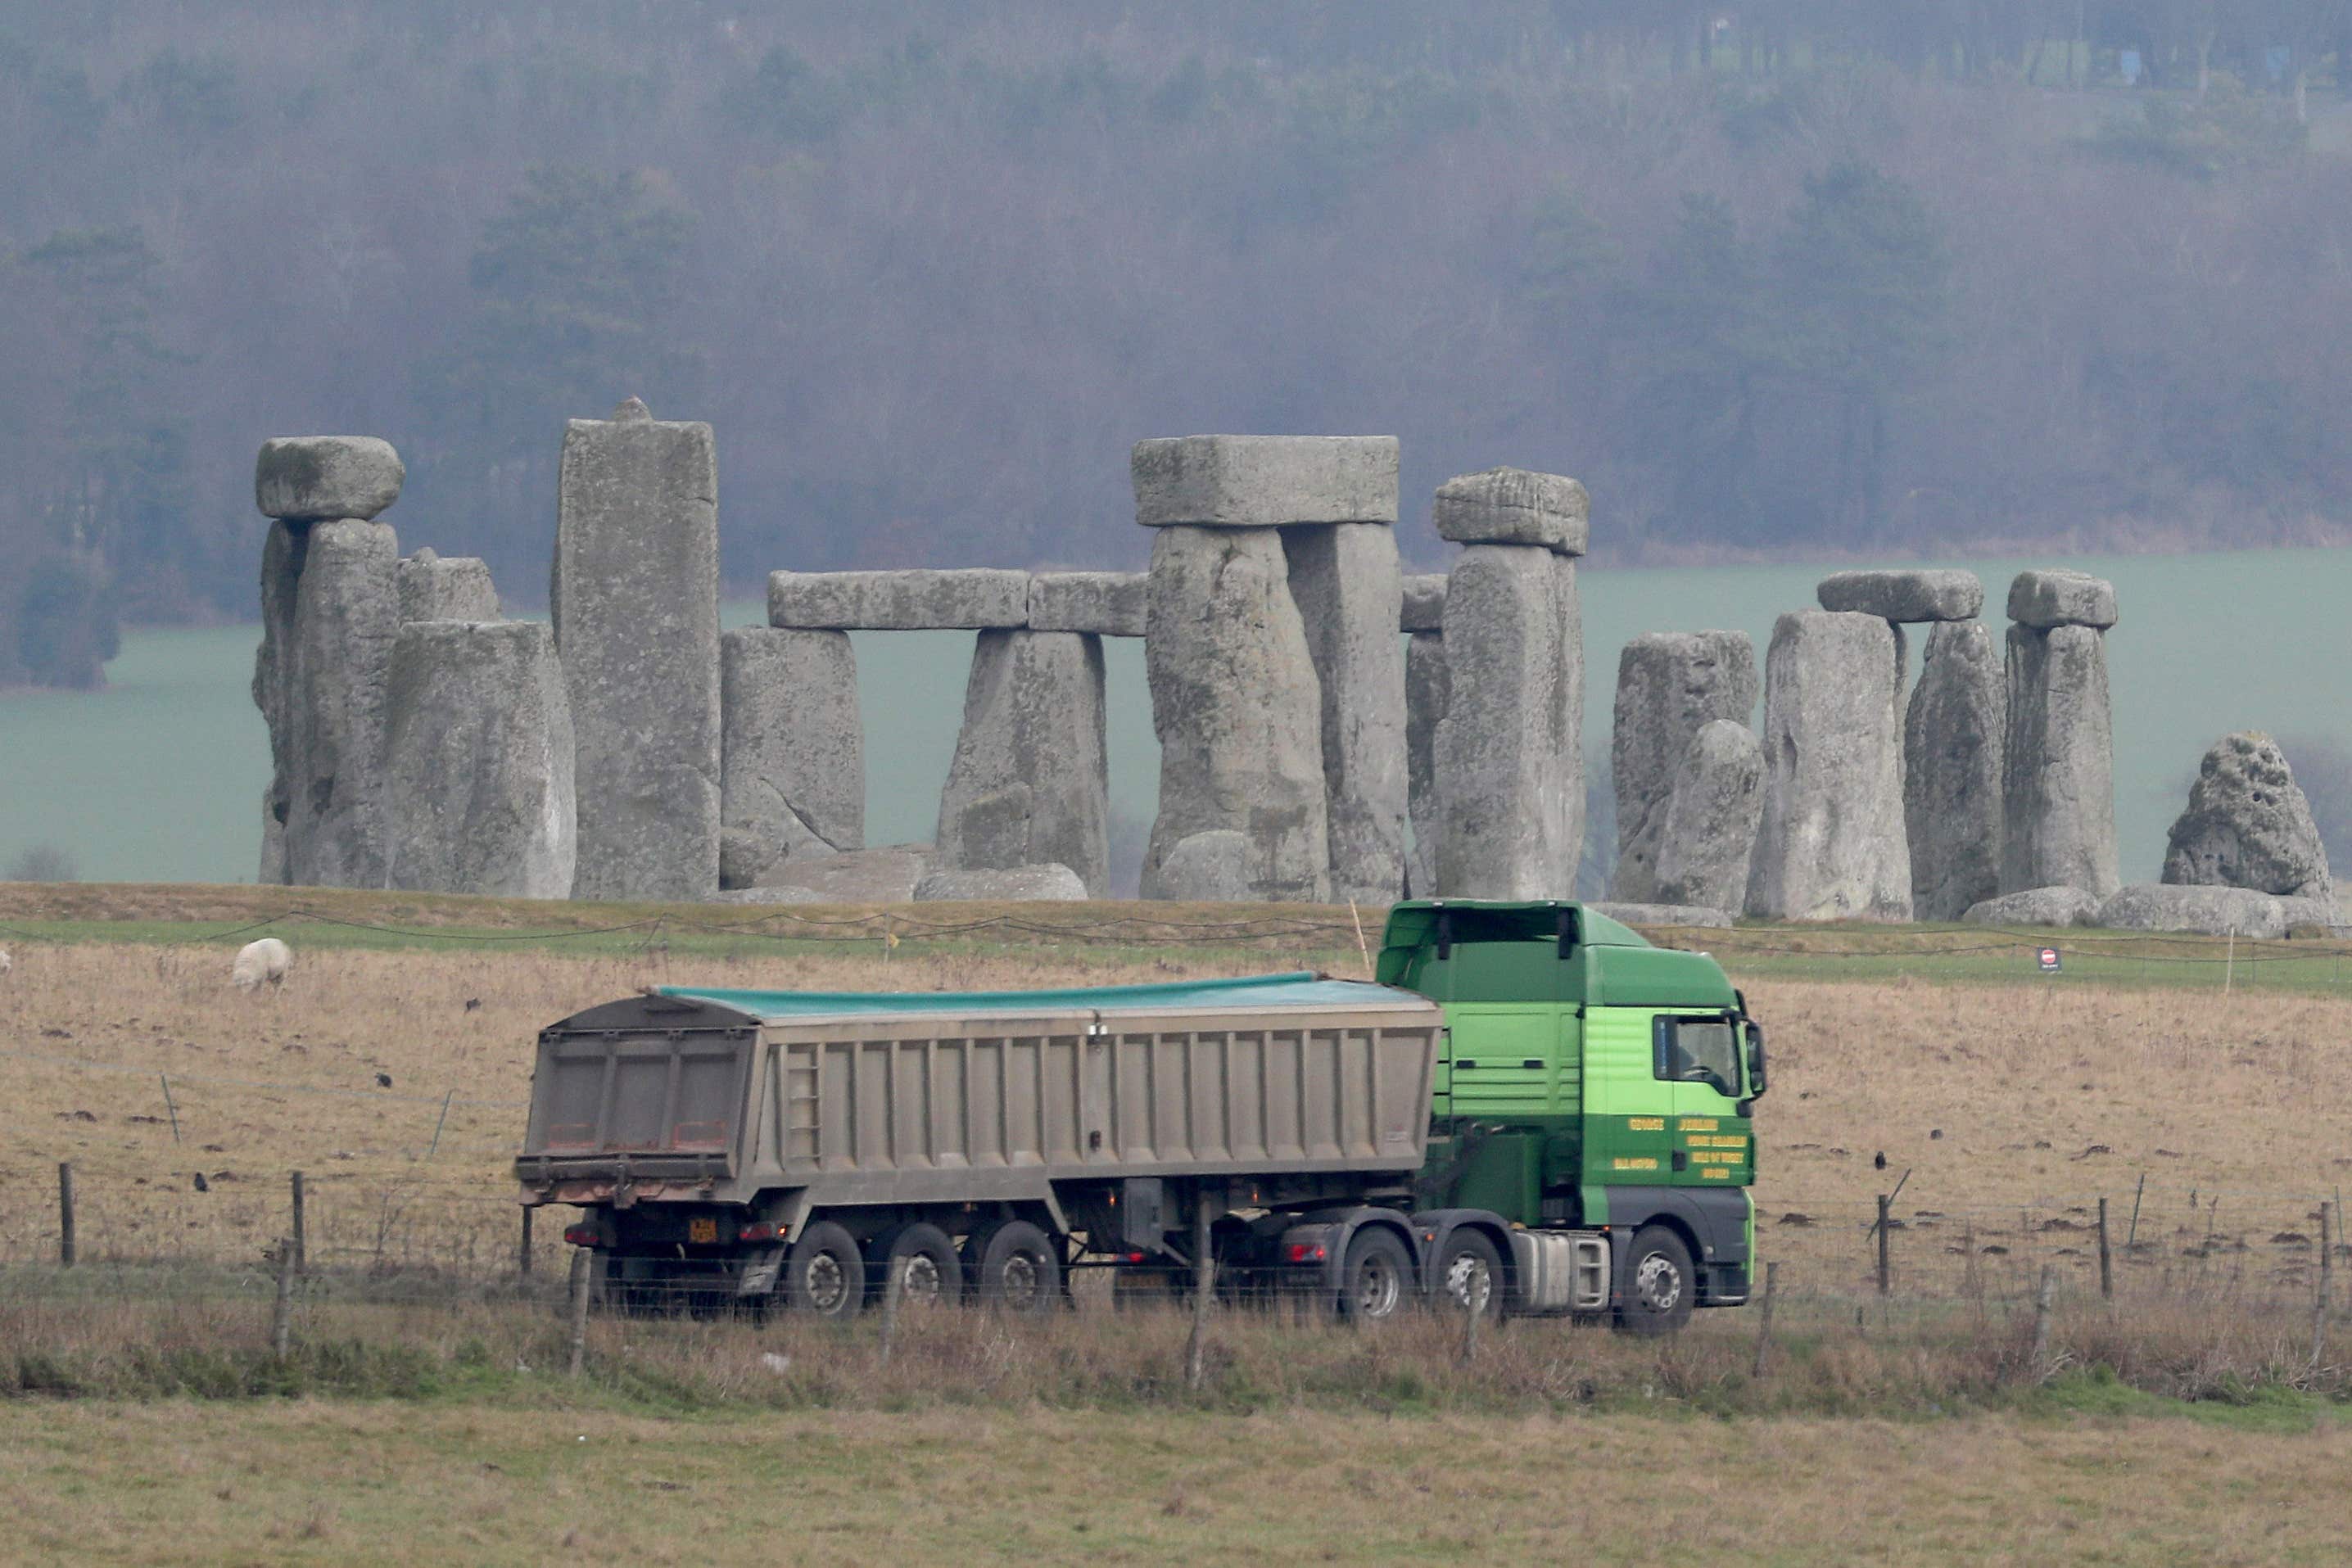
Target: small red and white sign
x,y
2048,956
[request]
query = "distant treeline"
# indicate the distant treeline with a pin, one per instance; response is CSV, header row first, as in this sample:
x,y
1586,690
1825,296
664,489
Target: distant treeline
x,y
1838,277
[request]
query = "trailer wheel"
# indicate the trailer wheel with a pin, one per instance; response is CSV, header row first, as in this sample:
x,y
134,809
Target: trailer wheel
x,y
1659,1287
934,1274
1373,1279
1470,1274
1013,1267
825,1276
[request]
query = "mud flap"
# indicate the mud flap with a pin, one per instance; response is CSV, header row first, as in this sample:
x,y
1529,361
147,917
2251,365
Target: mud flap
x,y
760,1272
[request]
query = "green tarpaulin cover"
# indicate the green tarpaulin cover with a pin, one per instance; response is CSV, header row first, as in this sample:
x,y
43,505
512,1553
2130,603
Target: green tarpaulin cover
x,y
1301,988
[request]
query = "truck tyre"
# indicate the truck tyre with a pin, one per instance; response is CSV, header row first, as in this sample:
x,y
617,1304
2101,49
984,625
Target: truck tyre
x,y
825,1276
1470,1275
934,1274
1013,1266
1375,1277
1659,1287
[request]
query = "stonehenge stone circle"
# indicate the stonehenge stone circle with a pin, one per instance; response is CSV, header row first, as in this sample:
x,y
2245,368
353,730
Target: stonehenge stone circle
x,y
1953,733
1904,596
791,763
1665,915
1030,784
2199,911
315,478
1514,506
1425,602
966,600
334,666
2249,825
1830,844
1508,755
2058,793
1344,580
1263,481
1706,832
478,739
636,602
1107,604
2043,600
1238,709
1426,688
1024,883
456,588
1670,685
2036,906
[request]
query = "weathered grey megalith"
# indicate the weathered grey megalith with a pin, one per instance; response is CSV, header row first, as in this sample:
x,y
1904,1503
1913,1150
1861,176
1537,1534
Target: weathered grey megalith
x,y
1514,506
2036,906
792,750
1263,481
636,602
2249,825
1344,579
962,599
2202,911
1952,740
1830,844
1685,914
2058,792
313,479
2057,598
1030,784
1107,604
1238,710
1706,833
1019,883
1670,685
1923,595
1425,602
1426,690
858,876
454,588
330,676
282,550
478,737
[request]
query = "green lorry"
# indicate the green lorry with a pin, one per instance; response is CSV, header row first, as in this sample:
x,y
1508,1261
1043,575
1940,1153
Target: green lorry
x,y
1532,1110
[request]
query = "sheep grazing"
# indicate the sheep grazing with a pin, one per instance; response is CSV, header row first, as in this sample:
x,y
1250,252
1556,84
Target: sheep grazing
x,y
258,962
6,963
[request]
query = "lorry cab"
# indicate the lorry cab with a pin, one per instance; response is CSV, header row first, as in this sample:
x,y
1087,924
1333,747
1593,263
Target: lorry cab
x,y
1591,1082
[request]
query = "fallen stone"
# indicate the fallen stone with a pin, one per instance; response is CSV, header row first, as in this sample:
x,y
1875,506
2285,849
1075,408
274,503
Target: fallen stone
x,y
456,588
1238,710
1265,481
1514,506
755,895
1707,835
2058,792
1924,595
1030,784
1344,579
1687,914
1019,884
336,659
636,602
2310,914
1107,604
1952,738
1425,602
2036,906
478,737
311,479
1830,844
1212,867
1670,685
2201,911
1508,755
2056,597
1425,693
792,750
974,598
859,876
2249,825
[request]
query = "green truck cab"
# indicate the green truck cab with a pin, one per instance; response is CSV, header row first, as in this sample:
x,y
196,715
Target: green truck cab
x,y
1589,1081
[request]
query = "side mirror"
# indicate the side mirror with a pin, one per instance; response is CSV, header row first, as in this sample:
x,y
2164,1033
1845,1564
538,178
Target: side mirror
x,y
1756,1080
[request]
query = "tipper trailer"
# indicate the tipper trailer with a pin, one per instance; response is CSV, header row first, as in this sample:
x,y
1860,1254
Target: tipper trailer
x,y
1531,1111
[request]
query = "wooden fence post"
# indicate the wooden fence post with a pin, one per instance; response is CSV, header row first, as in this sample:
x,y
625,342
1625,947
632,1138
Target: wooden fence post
x,y
581,1260
65,1214
2106,1260
2326,1283
2042,1322
522,1248
1885,1264
1196,1350
1764,1324
893,1286
299,1241
282,1309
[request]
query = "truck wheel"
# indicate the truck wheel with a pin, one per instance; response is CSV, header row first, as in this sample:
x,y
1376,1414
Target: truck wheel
x,y
1470,1274
1373,1277
825,1276
1659,1286
1013,1267
934,1274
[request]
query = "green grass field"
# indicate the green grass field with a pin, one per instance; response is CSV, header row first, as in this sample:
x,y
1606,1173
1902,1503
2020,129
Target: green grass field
x,y
160,777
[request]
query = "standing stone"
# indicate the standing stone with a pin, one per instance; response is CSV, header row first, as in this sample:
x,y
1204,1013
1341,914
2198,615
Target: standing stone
x,y
479,746
792,750
1706,834
1508,754
1344,579
2249,825
1238,710
456,588
1426,686
635,602
281,572
329,675
1031,781
1952,738
1670,685
1830,844
2058,810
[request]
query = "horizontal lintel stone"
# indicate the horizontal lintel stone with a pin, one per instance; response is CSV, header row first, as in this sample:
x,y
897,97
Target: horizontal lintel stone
x,y
1265,481
2059,598
1425,602
980,599
1107,604
1515,506
1946,594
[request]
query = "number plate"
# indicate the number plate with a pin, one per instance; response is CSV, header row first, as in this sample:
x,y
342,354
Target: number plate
x,y
705,1230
